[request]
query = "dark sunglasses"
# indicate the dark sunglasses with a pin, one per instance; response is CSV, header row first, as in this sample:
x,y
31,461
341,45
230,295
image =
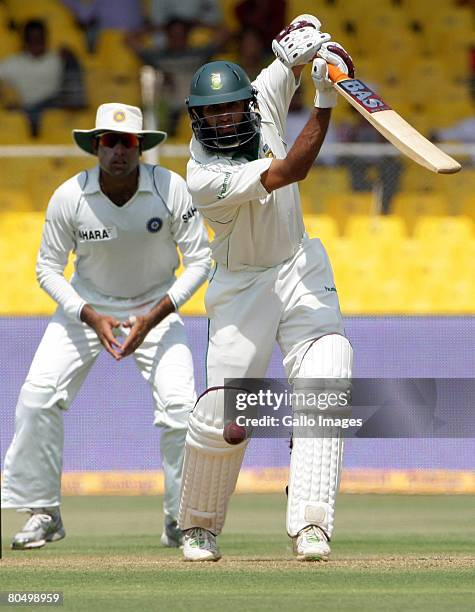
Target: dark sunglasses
x,y
110,139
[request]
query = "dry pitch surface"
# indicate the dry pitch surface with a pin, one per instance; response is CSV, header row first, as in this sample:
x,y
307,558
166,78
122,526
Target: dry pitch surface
x,y
390,553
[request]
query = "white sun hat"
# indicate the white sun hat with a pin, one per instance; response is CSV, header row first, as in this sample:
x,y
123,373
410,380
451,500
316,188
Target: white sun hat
x,y
116,117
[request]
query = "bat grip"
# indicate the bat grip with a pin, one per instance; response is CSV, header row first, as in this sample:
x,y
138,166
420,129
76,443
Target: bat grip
x,y
335,74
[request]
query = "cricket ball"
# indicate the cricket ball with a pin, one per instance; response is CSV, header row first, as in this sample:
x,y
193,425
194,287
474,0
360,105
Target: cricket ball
x,y
234,433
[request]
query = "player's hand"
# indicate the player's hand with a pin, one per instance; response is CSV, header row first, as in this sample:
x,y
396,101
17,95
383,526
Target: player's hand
x,y
104,327
336,54
329,53
299,42
139,328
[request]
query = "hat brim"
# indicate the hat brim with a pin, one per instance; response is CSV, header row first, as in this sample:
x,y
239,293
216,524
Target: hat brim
x,y
150,138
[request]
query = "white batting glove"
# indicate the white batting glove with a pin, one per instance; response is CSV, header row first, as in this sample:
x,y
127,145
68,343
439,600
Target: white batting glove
x,y
329,53
299,42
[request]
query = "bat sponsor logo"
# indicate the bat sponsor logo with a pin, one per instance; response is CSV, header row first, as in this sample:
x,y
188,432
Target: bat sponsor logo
x,y
97,234
365,96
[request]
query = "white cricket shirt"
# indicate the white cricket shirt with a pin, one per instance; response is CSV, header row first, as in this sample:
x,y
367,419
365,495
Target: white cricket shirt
x,y
34,78
252,227
126,256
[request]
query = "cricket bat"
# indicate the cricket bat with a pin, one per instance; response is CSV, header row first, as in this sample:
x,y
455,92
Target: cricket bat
x,y
391,125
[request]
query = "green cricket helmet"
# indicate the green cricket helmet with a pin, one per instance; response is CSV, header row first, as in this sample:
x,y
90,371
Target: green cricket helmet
x,y
222,82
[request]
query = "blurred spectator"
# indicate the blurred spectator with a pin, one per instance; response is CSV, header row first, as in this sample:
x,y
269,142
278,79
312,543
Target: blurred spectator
x,y
96,15
462,131
177,61
386,168
268,17
472,70
251,53
197,12
42,78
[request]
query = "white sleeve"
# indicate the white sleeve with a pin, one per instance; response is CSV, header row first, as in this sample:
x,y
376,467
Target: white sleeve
x,y
57,242
218,188
276,86
190,235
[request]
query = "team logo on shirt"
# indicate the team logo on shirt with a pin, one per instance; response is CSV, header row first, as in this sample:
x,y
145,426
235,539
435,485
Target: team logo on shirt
x,y
216,82
98,234
268,151
154,225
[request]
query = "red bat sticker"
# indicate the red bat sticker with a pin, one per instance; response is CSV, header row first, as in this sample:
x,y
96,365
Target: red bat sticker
x,y
365,96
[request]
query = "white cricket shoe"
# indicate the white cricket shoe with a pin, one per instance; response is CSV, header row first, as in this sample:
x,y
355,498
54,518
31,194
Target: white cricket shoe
x,y
311,544
172,536
43,526
200,545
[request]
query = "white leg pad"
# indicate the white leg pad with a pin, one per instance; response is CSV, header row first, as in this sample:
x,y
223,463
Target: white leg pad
x,y
211,466
315,463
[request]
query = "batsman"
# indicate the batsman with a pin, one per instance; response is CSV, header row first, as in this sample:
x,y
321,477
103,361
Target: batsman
x,y
270,281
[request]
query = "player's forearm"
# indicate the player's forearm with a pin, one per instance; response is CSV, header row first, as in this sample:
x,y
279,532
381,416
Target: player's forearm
x,y
89,315
59,289
301,156
194,275
297,70
161,310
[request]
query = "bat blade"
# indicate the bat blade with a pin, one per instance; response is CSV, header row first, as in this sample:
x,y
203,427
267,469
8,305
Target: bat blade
x,y
391,125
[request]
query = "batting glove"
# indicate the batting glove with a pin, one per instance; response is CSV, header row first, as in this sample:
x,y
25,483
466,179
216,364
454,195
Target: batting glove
x,y
298,43
329,53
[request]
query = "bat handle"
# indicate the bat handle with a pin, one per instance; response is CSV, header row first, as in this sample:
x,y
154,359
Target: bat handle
x,y
335,74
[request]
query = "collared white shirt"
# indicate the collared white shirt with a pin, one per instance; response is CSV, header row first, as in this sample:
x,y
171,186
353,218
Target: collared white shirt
x,y
126,256
34,78
252,227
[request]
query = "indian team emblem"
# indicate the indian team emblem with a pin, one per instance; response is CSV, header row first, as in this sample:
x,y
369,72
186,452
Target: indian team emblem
x,y
154,225
216,82
118,116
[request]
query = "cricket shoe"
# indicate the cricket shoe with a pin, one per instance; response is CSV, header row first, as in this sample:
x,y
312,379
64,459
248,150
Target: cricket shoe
x,y
172,536
311,544
43,526
200,545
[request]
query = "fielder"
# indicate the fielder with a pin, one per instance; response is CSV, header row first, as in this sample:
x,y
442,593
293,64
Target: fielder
x,y
124,220
270,281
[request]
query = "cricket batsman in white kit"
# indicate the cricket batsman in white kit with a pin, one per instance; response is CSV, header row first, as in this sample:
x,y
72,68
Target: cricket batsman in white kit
x,y
124,220
271,282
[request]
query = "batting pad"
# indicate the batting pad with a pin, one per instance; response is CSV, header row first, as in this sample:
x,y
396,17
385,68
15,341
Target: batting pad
x,y
211,466
315,463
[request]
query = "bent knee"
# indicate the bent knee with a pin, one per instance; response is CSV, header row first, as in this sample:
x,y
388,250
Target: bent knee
x,y
329,356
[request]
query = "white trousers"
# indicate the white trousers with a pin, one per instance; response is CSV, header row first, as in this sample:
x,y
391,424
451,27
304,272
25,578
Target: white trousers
x,y
68,349
249,310
293,303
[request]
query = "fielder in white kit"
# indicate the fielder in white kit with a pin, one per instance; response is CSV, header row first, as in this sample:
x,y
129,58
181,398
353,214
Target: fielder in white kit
x,y
271,282
124,220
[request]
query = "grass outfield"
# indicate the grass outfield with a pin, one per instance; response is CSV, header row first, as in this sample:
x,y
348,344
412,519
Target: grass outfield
x,y
389,553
